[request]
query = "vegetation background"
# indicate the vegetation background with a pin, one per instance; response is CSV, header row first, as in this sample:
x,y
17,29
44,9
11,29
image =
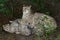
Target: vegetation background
x,y
12,9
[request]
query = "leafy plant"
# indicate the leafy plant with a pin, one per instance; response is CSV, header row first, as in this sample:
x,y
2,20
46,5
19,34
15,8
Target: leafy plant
x,y
4,8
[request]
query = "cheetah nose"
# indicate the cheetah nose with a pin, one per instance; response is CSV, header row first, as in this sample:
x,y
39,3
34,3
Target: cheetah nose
x,y
29,27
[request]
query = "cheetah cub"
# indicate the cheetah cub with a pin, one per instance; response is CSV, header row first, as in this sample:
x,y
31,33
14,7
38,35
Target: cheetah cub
x,y
18,26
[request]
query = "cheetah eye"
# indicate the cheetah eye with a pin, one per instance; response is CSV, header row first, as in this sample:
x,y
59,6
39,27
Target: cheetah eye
x,y
6,29
28,23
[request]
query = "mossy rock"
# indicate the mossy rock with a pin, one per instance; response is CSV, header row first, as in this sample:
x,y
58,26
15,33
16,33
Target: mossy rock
x,y
44,24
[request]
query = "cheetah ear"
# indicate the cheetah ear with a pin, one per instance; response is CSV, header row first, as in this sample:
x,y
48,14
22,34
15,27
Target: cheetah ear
x,y
7,24
30,6
3,26
19,21
10,21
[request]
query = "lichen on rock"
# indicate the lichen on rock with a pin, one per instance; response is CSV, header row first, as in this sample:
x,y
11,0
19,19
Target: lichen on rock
x,y
44,23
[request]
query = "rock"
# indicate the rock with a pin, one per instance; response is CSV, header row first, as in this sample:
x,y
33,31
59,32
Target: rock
x,y
43,23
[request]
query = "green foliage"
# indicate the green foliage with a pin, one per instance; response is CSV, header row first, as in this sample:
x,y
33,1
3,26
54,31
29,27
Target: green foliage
x,y
4,9
56,1
40,6
8,10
